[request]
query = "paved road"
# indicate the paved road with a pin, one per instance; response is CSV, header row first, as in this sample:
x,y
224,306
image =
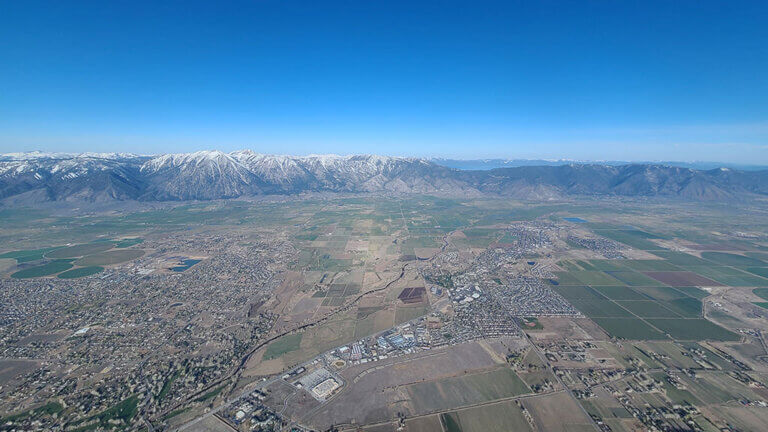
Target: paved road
x,y
248,389
263,343
560,381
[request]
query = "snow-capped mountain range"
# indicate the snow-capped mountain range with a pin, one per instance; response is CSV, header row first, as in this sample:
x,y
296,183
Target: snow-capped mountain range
x,y
204,175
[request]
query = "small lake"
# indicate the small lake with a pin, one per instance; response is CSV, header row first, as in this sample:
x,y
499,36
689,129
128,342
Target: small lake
x,y
185,265
575,220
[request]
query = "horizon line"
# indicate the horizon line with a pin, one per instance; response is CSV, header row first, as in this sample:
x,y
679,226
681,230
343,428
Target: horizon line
x,y
95,154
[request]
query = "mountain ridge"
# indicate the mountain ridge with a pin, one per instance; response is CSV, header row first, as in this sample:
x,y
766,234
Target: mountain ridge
x,y
492,163
213,174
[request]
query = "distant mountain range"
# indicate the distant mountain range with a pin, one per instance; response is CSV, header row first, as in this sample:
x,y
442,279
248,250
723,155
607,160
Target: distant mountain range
x,y
487,164
96,177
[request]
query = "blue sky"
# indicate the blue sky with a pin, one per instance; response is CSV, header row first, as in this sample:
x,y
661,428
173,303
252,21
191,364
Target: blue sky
x,y
620,80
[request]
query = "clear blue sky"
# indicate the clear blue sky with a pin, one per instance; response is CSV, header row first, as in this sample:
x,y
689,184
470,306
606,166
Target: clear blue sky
x,y
629,80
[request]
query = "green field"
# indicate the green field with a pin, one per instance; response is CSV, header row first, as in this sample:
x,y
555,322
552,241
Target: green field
x,y
730,259
167,384
661,294
52,267
469,393
608,265
595,278
688,307
693,329
47,409
647,309
407,313
650,265
600,308
635,238
760,271
568,265
620,293
210,395
634,278
283,345
693,292
23,256
730,276
567,278
80,250
682,259
128,242
629,328
578,292
80,272
110,257
109,419
587,266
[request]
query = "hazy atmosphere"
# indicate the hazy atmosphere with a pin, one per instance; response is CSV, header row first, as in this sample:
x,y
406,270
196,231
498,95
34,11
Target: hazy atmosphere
x,y
630,80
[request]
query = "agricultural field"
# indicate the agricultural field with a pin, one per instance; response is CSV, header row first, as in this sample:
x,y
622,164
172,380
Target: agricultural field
x,y
629,328
431,313
80,272
500,416
83,259
48,269
466,390
693,329
109,258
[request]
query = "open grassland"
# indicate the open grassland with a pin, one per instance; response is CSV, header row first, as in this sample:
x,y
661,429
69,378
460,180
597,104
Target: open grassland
x,y
426,424
558,413
503,416
283,345
6,264
466,390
